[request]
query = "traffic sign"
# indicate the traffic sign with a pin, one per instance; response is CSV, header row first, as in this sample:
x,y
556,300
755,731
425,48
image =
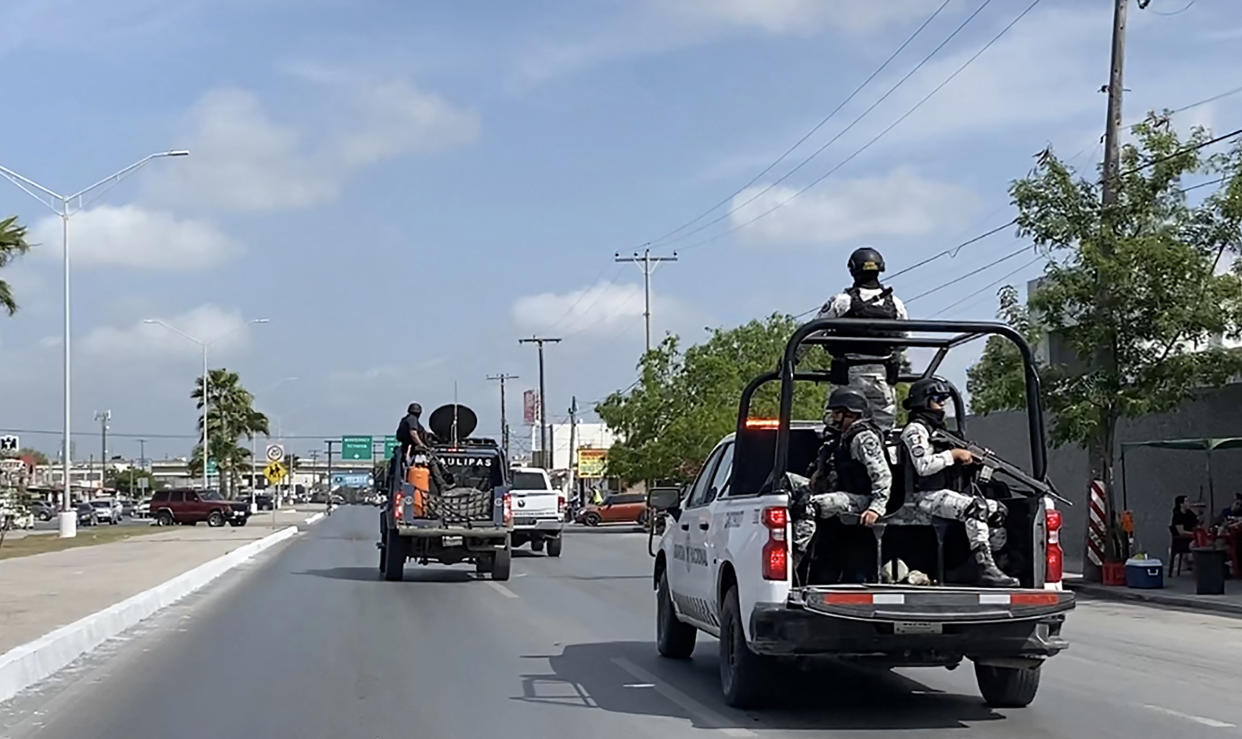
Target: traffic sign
x,y
274,472
9,444
142,483
275,452
356,447
390,445
212,467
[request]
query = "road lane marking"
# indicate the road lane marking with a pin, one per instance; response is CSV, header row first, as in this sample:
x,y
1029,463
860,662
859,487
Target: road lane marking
x,y
696,710
501,589
1189,717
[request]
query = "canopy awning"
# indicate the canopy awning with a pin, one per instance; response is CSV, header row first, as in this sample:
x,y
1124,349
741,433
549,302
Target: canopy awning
x,y
1208,445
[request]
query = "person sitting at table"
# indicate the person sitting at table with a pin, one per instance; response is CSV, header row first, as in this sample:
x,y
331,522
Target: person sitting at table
x,y
1182,527
1233,512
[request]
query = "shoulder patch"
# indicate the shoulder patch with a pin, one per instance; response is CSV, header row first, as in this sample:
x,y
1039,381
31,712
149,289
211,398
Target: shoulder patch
x,y
870,443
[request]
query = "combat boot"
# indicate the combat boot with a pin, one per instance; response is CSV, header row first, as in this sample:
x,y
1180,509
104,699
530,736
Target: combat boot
x,y
990,576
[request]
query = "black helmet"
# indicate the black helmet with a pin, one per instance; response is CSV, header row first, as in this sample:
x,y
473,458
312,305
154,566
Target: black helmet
x,y
416,409
849,399
923,391
865,259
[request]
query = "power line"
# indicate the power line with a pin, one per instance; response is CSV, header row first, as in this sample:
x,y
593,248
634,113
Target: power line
x,y
971,273
877,137
838,135
1179,152
810,133
989,286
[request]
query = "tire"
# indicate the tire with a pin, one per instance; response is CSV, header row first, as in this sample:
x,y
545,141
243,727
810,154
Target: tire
x,y
591,519
501,565
554,547
215,519
483,564
536,545
674,639
164,518
1007,687
744,675
394,558
382,553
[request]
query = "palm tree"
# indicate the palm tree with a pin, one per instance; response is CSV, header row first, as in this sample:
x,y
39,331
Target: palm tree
x,y
231,416
12,243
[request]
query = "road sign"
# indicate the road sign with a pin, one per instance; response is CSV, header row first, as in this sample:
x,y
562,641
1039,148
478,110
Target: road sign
x,y
274,472
390,445
356,447
591,463
212,467
275,452
143,483
12,465
9,444
530,407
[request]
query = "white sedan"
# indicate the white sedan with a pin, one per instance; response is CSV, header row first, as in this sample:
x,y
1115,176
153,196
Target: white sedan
x,y
105,511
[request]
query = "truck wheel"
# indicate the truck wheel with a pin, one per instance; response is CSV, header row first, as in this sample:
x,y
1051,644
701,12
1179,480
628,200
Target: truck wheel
x,y
554,547
1007,687
164,518
383,554
215,519
744,675
394,559
500,565
674,639
591,519
536,545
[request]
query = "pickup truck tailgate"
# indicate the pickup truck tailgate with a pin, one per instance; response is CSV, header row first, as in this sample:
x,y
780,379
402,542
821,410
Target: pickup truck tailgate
x,y
531,504
939,604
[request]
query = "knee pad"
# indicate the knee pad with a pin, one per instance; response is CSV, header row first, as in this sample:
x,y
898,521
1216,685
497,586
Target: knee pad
x,y
976,511
999,513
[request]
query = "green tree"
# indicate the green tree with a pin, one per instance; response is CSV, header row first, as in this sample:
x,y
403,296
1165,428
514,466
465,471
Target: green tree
x,y
1156,256
12,244
126,482
684,402
997,381
231,416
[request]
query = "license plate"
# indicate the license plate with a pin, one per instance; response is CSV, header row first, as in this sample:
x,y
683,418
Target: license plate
x,y
917,627
451,541
524,521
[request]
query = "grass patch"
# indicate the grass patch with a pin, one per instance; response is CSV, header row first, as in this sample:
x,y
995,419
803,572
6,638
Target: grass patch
x,y
87,536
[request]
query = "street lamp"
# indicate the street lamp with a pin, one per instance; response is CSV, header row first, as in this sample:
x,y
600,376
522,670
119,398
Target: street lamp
x,y
66,206
204,345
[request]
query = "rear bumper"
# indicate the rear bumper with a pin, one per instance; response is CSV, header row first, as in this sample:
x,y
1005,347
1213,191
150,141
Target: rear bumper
x,y
434,530
780,629
544,525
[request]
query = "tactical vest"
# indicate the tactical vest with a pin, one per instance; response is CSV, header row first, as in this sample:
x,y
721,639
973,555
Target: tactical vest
x,y
852,475
945,479
879,307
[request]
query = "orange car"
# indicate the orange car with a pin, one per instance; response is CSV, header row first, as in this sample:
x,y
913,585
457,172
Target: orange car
x,y
617,508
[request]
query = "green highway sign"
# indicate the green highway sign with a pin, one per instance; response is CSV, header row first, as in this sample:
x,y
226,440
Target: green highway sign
x,y
390,444
356,447
211,467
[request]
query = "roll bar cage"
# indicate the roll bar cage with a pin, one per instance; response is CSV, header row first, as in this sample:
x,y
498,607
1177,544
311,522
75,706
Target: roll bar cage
x,y
939,335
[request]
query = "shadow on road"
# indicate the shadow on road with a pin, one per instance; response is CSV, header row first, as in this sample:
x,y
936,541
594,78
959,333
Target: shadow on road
x,y
830,697
628,528
372,574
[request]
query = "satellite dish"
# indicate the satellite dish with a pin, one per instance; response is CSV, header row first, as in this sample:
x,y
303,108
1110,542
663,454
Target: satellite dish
x,y
443,418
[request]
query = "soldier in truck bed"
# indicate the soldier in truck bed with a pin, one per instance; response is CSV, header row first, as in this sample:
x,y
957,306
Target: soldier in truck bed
x,y
869,367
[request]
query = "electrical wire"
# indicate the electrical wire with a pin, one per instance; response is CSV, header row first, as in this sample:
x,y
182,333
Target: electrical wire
x,y
876,138
823,121
971,273
989,286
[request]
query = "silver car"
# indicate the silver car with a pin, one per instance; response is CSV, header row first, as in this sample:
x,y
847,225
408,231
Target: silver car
x,y
105,512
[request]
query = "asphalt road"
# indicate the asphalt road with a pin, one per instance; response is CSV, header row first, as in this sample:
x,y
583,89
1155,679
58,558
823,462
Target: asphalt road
x,y
308,642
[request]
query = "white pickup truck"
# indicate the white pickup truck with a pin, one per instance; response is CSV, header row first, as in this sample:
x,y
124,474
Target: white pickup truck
x,y
538,510
725,566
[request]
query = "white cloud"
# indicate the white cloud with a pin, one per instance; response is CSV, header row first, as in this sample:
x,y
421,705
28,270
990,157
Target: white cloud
x,y
801,17
135,237
227,331
901,203
394,118
603,308
244,159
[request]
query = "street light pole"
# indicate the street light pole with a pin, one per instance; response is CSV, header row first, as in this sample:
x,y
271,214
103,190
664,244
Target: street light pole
x,y
204,345
543,404
65,206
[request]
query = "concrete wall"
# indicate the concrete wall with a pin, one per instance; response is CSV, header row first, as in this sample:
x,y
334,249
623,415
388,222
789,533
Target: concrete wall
x,y
1153,476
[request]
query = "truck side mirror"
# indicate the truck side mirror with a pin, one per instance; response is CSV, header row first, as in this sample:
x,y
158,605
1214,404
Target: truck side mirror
x,y
663,499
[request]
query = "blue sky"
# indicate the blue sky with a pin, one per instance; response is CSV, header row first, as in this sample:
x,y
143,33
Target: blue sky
x,y
404,189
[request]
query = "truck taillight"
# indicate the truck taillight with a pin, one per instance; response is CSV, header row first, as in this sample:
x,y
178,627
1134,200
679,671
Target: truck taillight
x,y
1055,560
508,509
397,499
560,504
776,550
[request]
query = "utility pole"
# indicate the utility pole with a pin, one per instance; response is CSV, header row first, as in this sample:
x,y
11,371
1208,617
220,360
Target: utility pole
x,y
504,418
330,442
1108,195
573,442
648,265
543,398
142,453
103,417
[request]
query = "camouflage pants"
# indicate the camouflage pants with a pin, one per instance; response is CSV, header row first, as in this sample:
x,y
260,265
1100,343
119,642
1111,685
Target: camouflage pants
x,y
826,505
872,381
971,511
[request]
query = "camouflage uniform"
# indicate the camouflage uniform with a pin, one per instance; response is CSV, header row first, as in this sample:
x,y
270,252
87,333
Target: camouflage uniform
x,y
869,379
863,476
944,503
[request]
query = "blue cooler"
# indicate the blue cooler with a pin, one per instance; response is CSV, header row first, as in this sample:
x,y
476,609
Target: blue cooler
x,y
1144,573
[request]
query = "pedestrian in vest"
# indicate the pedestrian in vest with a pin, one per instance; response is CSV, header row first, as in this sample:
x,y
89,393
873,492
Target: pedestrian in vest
x,y
932,462
871,368
854,460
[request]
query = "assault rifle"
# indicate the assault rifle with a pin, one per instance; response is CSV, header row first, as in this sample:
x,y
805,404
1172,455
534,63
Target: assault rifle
x,y
991,461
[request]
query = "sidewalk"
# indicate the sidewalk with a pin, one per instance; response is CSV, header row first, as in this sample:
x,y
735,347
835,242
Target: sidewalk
x,y
1178,592
42,592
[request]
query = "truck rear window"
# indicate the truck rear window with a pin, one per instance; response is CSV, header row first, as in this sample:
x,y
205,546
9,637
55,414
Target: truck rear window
x,y
529,481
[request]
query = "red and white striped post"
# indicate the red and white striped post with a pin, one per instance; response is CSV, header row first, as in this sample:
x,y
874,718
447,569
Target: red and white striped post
x,y
1097,527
